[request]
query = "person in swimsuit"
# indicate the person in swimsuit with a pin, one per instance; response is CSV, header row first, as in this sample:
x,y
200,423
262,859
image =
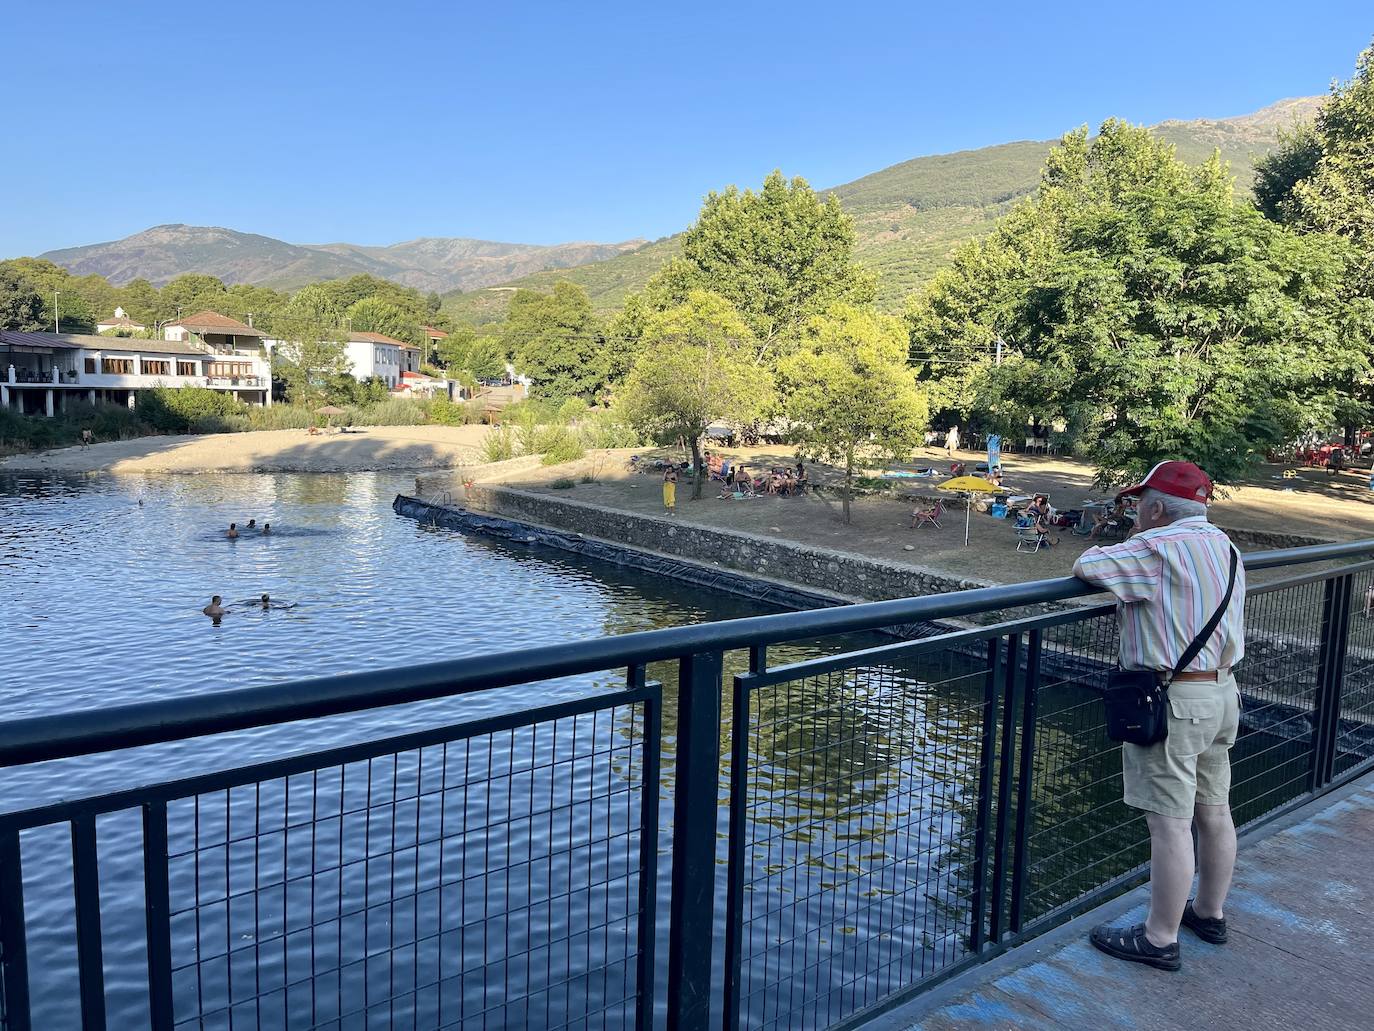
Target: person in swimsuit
x,y
233,531
670,490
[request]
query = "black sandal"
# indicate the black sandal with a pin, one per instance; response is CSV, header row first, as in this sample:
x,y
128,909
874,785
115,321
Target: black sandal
x,y
1209,929
1130,943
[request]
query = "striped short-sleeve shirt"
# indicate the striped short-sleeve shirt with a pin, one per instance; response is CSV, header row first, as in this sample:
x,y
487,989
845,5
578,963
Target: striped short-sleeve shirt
x,y
1168,581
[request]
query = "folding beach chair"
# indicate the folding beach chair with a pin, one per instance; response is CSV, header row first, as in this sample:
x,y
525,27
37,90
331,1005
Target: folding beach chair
x,y
928,516
1029,539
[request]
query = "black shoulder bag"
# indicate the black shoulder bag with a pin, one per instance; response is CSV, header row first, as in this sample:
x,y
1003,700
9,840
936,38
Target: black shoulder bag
x,y
1137,700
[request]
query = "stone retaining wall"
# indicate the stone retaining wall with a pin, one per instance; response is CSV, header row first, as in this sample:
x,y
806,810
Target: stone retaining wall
x,y
833,573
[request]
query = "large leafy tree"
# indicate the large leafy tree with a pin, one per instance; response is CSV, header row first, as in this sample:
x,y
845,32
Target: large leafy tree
x,y
1144,306
697,367
850,392
463,351
556,342
21,306
779,256
190,293
372,314
312,357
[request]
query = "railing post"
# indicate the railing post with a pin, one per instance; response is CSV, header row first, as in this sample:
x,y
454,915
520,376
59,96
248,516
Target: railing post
x,y
986,756
648,859
90,958
1020,868
1005,775
695,796
157,915
1326,715
14,967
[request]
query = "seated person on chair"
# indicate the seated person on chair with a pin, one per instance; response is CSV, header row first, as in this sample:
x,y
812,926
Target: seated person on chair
x,y
1108,519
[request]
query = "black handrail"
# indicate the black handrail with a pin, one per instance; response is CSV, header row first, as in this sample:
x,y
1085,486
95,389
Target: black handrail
x,y
65,735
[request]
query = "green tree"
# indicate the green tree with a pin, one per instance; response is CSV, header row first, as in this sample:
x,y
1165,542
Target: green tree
x,y
779,256
1146,308
21,306
1294,160
188,294
556,342
697,367
139,298
850,392
374,315
312,357
433,302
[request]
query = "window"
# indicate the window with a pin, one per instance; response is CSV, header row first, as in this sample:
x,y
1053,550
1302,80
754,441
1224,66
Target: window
x,y
155,368
117,366
90,365
230,369
187,369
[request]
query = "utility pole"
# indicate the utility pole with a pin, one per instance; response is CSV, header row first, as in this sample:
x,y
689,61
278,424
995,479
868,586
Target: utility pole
x,y
56,318
999,348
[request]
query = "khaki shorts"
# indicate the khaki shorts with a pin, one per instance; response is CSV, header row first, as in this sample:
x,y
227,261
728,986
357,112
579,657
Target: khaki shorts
x,y
1192,766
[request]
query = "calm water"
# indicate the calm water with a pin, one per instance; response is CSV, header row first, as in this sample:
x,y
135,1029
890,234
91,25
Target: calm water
x,y
101,596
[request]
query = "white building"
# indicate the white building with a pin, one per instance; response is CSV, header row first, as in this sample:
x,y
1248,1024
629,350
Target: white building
x,y
374,354
120,321
40,373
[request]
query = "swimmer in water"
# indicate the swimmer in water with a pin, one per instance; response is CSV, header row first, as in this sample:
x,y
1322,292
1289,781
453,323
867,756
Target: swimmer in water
x,y
266,529
214,610
265,603
252,524
233,531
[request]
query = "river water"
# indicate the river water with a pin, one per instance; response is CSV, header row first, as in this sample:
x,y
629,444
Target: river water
x,y
102,582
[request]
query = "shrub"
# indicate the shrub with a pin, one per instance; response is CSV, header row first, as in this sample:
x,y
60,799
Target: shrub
x,y
394,411
281,417
603,428
561,446
186,409
571,411
447,413
562,483
499,445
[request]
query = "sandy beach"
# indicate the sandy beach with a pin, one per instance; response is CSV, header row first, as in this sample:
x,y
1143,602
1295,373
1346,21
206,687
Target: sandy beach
x,y
371,448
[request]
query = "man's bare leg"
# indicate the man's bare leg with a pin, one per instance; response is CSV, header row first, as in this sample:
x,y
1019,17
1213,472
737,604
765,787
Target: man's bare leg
x,y
1171,876
1216,852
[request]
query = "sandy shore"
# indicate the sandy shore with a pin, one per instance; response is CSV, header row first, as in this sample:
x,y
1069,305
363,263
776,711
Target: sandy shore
x,y
374,447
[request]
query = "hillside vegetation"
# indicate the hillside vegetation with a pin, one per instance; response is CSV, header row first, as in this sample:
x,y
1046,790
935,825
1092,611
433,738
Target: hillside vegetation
x,y
910,216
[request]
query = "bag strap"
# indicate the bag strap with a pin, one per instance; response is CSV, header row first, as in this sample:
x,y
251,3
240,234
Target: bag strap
x,y
1206,633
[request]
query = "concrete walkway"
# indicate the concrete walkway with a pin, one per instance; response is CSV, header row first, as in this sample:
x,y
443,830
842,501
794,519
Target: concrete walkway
x,y
1301,915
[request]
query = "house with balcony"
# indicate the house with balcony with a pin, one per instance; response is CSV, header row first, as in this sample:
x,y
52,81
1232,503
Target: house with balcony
x,y
42,373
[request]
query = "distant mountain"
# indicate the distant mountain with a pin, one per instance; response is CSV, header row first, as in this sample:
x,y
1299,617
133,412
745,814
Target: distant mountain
x,y
442,264
910,216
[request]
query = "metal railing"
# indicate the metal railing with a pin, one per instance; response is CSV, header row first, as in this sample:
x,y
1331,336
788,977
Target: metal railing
x,y
877,821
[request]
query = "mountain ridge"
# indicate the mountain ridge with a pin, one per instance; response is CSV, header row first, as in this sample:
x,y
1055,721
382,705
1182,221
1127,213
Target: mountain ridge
x,y
442,264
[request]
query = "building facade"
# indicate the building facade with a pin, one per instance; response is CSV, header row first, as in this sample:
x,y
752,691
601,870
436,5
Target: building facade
x,y
375,354
42,373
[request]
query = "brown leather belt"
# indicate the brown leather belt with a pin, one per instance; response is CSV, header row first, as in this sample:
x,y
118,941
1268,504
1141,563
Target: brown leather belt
x,y
1211,675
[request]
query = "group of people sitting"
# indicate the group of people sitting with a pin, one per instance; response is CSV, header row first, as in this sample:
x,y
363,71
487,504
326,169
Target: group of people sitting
x,y
736,480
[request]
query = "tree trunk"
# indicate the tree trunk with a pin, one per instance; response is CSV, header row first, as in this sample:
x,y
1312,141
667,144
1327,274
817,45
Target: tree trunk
x,y
697,469
848,485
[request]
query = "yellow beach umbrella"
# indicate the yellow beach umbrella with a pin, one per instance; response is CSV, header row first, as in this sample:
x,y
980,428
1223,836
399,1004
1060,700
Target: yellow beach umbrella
x,y
969,486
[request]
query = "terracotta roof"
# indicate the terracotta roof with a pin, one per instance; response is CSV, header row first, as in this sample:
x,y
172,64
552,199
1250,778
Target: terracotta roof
x,y
435,334
214,322
363,336
72,341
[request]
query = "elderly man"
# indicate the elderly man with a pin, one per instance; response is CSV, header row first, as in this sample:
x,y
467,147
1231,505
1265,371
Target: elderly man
x,y
1169,579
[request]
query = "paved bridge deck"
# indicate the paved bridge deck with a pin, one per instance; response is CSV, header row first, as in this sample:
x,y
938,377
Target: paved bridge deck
x,y
1301,914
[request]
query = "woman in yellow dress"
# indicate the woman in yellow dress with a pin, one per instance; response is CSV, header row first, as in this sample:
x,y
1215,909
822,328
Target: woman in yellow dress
x,y
670,490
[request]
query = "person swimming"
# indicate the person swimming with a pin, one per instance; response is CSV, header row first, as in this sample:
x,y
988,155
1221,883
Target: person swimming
x,y
265,603
233,531
215,610
266,529
252,524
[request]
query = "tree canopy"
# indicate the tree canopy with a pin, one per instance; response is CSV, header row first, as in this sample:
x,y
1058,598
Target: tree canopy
x,y
556,341
1143,306
697,367
850,393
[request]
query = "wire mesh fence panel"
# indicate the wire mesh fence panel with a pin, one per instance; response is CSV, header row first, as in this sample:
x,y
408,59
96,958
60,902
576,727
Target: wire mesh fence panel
x,y
1355,735
860,824
1272,759
496,874
1082,834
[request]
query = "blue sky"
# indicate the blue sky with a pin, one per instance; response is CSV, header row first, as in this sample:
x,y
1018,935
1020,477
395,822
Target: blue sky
x,y
380,122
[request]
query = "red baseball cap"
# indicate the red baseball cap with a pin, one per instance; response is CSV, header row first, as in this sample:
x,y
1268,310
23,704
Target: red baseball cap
x,y
1181,479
